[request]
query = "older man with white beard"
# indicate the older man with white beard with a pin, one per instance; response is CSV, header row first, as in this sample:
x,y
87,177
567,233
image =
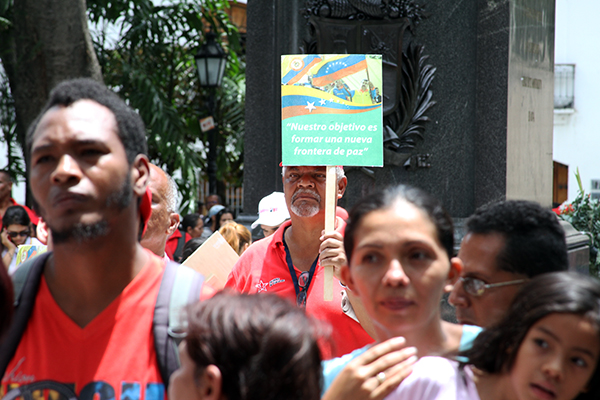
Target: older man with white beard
x,y
290,262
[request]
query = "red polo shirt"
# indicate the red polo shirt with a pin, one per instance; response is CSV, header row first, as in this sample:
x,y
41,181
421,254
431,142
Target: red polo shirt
x,y
263,268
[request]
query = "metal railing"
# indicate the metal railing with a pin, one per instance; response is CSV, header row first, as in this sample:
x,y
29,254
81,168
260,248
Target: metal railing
x,y
564,86
234,197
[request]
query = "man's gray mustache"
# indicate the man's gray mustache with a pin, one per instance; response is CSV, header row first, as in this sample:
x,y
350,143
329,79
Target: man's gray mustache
x,y
304,191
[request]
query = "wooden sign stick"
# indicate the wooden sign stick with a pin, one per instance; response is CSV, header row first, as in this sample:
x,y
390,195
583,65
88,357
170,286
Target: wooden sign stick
x,y
330,202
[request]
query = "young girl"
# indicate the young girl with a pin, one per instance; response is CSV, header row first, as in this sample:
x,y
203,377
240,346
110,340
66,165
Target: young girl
x,y
547,347
224,216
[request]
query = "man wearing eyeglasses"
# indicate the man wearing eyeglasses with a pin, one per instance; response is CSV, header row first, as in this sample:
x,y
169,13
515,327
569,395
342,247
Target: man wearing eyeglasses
x,y
290,262
506,244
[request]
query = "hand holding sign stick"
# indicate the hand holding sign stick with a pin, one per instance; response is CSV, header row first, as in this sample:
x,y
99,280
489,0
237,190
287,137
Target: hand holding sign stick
x,y
330,203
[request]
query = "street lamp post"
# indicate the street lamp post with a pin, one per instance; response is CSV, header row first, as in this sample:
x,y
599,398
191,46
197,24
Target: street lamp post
x,y
210,63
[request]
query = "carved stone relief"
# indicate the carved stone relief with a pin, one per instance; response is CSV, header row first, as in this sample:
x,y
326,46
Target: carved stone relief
x,y
378,27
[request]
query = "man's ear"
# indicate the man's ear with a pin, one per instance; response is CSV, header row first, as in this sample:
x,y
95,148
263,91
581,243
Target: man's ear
x,y
342,184
210,383
174,223
456,267
140,174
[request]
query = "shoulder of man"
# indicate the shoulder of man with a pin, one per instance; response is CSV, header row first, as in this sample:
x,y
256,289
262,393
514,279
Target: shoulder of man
x,y
240,277
254,253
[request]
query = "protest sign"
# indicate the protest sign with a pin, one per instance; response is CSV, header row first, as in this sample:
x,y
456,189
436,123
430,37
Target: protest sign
x,y
214,259
332,110
332,114
27,251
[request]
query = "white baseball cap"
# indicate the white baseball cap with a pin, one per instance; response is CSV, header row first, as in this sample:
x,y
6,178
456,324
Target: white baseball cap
x,y
214,210
272,210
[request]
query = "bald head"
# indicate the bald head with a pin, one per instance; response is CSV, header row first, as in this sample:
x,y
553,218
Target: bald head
x,y
164,218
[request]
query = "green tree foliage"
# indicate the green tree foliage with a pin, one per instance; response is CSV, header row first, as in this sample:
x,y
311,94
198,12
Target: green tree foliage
x,y
146,51
8,126
584,214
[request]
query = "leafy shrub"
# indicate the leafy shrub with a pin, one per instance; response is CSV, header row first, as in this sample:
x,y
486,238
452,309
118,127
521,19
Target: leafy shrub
x,y
584,214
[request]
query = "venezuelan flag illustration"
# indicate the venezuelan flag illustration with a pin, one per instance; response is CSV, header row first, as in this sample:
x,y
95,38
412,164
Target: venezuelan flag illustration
x,y
298,67
331,109
302,100
337,68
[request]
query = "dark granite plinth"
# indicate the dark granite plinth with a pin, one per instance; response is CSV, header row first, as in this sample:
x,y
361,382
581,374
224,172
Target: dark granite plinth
x,y
470,45
275,27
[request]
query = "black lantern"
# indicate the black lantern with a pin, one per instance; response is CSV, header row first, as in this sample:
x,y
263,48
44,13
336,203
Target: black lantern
x,y
210,62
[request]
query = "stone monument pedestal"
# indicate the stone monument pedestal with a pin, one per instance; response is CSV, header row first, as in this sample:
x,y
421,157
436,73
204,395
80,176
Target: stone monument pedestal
x,y
490,134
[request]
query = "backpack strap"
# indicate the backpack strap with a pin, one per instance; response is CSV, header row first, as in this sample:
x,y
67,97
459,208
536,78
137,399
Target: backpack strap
x,y
180,286
26,283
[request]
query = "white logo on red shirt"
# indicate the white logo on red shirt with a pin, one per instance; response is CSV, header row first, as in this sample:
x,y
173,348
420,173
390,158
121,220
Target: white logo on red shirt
x,y
261,286
275,281
15,376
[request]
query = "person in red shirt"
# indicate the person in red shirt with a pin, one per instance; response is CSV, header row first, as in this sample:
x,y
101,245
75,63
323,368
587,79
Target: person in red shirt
x,y
290,262
193,226
90,331
6,200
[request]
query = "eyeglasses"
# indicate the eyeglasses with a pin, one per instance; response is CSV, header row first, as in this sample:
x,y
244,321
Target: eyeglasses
x,y
15,234
477,287
302,283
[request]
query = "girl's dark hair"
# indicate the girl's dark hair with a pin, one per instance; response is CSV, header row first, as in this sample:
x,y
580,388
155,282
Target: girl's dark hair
x,y
386,198
15,215
191,246
190,220
6,300
219,215
264,346
495,349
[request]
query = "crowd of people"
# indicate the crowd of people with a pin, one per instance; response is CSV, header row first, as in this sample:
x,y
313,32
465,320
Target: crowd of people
x,y
107,313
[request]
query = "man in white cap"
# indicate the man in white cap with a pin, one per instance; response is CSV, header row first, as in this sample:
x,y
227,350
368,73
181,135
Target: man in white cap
x,y
272,212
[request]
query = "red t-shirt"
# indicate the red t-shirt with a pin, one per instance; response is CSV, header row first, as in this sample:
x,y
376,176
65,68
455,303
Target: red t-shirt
x,y
173,241
171,244
263,268
113,357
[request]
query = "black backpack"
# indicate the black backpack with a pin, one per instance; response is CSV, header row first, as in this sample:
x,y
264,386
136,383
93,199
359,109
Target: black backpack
x,y
180,285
